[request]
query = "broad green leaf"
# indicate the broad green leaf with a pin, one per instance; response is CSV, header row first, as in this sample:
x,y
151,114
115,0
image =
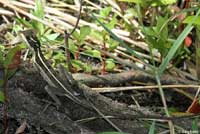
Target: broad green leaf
x,y
52,37
79,65
131,12
97,35
161,31
110,65
2,98
84,31
72,47
149,31
87,68
93,53
152,128
11,53
76,35
105,11
113,44
190,18
112,23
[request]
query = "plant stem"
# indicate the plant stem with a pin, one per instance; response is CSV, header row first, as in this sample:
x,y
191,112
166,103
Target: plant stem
x,y
68,57
171,126
103,60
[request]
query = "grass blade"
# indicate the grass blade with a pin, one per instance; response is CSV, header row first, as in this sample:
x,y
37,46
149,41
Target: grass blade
x,y
176,45
152,128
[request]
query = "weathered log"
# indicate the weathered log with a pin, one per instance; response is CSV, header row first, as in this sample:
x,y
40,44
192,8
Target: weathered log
x,y
25,105
125,77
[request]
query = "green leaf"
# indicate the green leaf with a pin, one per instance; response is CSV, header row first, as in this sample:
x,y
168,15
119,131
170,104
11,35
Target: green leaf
x,y
2,98
176,45
161,31
59,56
11,53
52,37
105,11
76,35
40,27
97,35
39,12
39,9
113,44
93,53
2,47
152,128
84,31
190,18
110,65
112,23
131,12
149,31
79,65
87,68
72,47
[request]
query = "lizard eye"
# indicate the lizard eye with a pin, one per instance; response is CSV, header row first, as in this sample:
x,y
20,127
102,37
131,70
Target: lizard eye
x,y
33,41
31,38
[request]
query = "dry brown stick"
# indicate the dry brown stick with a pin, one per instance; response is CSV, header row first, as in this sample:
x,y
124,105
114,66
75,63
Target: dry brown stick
x,y
10,5
126,77
117,89
66,39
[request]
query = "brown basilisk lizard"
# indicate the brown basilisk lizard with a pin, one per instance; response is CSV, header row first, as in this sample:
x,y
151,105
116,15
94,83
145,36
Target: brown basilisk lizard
x,y
49,73
54,80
